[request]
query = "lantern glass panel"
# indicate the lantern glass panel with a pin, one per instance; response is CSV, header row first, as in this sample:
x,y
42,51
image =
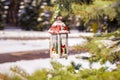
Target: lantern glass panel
x,y
63,39
55,43
64,44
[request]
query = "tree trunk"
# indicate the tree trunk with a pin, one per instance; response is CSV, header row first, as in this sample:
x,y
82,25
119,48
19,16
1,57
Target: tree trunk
x,y
12,17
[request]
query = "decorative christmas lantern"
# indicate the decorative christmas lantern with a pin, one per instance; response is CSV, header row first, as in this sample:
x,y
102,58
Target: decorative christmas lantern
x,y
59,39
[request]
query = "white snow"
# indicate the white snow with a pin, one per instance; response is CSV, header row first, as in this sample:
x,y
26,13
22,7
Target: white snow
x,y
30,66
26,45
7,46
21,34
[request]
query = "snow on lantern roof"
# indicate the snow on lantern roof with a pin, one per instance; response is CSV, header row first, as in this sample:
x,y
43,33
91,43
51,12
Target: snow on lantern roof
x,y
58,27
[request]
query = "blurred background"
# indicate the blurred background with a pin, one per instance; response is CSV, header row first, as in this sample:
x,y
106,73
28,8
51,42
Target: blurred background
x,y
94,34
82,15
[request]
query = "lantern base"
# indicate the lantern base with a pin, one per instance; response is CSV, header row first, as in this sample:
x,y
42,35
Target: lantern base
x,y
56,56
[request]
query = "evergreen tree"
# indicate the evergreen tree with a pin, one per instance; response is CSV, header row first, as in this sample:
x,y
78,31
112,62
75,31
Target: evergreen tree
x,y
28,19
86,10
35,17
1,14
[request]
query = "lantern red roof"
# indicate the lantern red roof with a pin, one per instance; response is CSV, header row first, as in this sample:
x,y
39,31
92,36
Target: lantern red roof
x,y
58,27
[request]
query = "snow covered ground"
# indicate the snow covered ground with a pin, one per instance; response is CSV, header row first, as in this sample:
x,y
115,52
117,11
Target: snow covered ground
x,y
30,66
7,46
33,34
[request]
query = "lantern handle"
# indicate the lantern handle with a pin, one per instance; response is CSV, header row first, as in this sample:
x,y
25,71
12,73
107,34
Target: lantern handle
x,y
59,18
